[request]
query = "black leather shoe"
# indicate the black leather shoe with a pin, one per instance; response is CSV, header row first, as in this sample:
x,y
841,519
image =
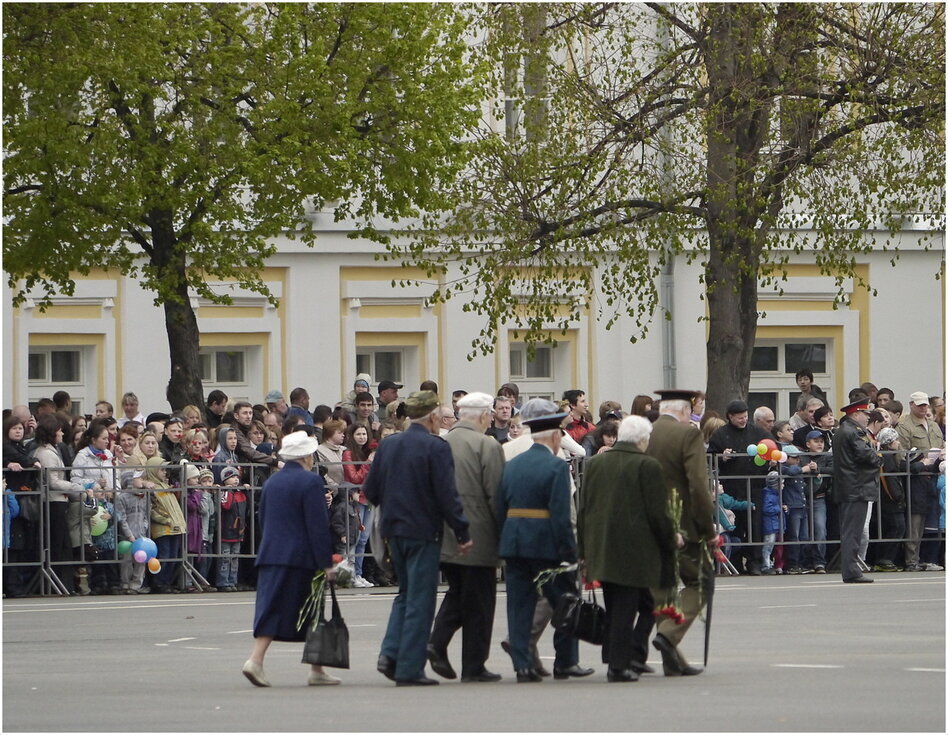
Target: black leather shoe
x,y
527,675
575,671
621,675
440,664
640,668
541,671
386,667
689,670
671,663
484,675
859,580
423,681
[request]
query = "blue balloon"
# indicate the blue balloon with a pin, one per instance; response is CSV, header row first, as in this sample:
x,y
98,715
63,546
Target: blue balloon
x,y
143,543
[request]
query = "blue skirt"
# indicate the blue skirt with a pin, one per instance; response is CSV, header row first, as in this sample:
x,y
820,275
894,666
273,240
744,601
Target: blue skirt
x,y
281,592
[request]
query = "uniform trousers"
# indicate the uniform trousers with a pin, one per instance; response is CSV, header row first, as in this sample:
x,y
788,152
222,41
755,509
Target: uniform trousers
x,y
409,624
521,604
692,563
467,605
628,624
852,520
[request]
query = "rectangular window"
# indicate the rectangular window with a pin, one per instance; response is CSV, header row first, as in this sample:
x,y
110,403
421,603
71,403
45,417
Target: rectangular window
x,y
765,359
774,365
223,366
382,363
799,356
523,367
55,366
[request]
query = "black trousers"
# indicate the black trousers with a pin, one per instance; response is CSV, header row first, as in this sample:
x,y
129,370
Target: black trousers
x,y
629,622
852,519
468,605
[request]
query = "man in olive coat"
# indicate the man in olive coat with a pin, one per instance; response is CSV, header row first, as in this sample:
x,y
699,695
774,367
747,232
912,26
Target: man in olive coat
x,y
627,539
679,448
472,578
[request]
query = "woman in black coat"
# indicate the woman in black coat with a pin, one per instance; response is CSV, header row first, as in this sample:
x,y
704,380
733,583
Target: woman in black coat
x,y
20,474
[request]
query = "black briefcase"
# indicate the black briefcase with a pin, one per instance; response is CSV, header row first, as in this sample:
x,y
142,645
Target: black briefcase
x,y
584,619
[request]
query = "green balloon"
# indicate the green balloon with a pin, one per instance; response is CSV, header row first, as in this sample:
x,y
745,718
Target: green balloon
x,y
759,461
124,547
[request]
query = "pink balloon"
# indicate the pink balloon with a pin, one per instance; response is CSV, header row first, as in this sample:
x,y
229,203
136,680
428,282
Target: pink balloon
x,y
140,556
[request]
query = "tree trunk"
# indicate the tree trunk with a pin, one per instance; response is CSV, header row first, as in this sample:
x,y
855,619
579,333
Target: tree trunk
x,y
184,339
734,134
732,310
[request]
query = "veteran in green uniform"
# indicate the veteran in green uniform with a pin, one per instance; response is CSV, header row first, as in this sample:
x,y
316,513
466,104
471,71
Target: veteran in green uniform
x,y
679,448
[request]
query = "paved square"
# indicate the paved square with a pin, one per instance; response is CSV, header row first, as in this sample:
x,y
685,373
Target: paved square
x,y
788,654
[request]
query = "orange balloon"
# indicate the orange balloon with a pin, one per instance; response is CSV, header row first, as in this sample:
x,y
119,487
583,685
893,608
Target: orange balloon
x,y
154,566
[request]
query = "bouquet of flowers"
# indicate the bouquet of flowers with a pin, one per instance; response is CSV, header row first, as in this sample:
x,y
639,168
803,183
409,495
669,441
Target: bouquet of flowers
x,y
667,605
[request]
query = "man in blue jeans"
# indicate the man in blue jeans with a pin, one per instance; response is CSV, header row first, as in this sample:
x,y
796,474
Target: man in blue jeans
x,y
412,482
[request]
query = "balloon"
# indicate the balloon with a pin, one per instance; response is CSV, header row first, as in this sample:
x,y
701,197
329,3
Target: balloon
x,y
762,449
140,556
770,444
99,525
759,461
154,566
751,450
783,457
143,543
124,547
775,456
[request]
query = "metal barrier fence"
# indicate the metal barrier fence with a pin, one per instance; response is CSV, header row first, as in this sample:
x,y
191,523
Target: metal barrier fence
x,y
39,571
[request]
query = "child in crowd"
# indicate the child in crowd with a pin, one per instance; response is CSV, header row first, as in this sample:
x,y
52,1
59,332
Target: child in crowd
x,y
727,506
226,453
771,520
104,574
167,525
208,526
347,524
131,510
815,443
232,528
794,499
195,515
783,433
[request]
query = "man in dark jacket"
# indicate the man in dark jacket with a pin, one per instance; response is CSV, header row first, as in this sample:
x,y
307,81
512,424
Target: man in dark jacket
x,y
472,578
731,442
534,504
412,480
856,466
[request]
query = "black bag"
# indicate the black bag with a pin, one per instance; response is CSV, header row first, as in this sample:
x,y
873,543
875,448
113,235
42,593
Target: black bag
x,y
327,641
584,619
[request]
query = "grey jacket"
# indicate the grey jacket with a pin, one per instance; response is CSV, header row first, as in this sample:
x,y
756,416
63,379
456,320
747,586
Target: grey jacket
x,y
478,466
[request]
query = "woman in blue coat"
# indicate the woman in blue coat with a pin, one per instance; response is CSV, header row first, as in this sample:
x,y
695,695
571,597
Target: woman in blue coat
x,y
295,545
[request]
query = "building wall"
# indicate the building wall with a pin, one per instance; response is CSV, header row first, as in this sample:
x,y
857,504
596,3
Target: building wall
x,y
336,300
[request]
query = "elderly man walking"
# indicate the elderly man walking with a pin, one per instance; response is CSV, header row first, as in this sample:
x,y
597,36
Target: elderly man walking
x,y
537,534
472,578
627,540
679,449
412,480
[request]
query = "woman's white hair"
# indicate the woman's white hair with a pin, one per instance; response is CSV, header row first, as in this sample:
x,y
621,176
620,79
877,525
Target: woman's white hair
x,y
634,429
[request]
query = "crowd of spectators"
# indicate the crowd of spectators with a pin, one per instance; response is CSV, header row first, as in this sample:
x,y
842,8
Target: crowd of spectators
x,y
190,481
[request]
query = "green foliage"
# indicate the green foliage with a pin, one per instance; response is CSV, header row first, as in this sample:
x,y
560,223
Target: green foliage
x,y
174,140
621,135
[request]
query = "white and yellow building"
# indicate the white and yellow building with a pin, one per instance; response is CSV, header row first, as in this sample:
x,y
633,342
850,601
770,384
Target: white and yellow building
x,y
339,314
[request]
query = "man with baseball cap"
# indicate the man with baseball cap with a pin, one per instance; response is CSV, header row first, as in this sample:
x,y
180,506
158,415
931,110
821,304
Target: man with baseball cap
x,y
472,578
388,392
412,481
917,431
856,466
731,442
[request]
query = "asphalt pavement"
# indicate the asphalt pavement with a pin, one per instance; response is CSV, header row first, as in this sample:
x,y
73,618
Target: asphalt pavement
x,y
788,654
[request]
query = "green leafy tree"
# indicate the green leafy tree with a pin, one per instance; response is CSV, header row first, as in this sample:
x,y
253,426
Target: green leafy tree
x,y
174,141
624,135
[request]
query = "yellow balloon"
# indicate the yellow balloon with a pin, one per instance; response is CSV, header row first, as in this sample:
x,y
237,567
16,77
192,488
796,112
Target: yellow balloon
x,y
762,449
154,566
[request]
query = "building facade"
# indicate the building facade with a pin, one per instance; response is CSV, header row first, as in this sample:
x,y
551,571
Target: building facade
x,y
340,313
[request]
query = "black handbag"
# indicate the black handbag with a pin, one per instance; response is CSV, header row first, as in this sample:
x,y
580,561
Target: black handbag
x,y
584,619
327,641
